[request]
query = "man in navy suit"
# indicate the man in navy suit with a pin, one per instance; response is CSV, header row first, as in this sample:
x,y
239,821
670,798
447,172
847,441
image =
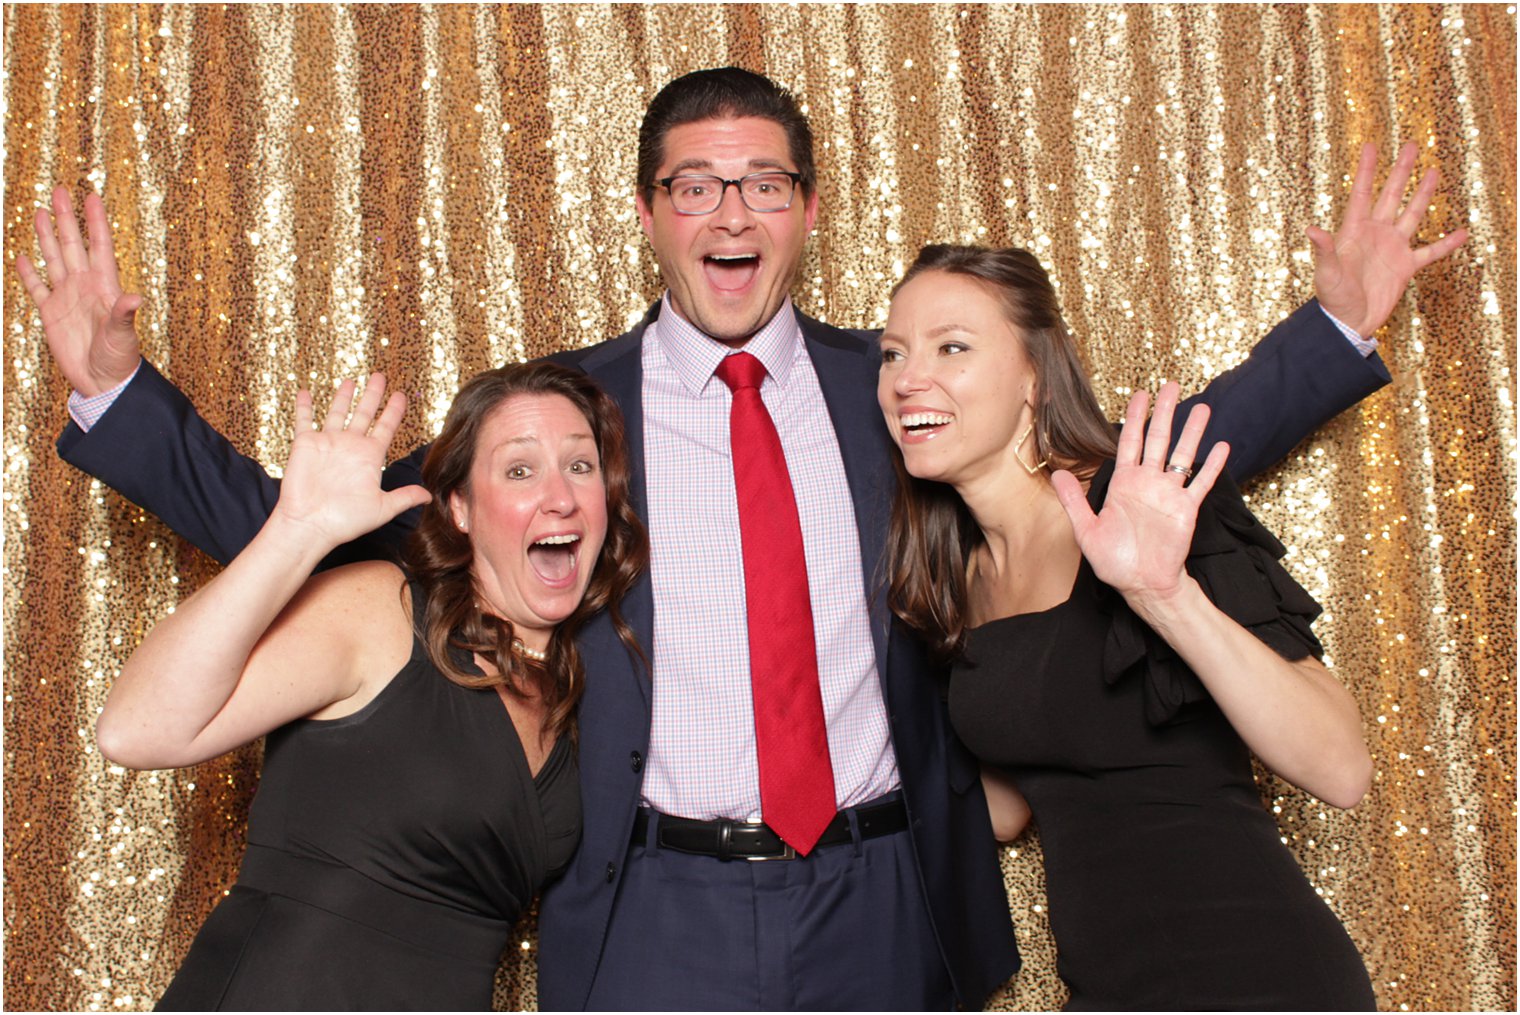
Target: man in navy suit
x,y
680,896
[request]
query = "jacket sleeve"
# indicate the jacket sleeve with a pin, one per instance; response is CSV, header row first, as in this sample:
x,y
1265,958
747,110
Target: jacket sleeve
x,y
153,448
1301,375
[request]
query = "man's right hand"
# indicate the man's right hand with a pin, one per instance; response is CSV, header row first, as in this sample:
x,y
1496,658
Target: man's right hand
x,y
86,317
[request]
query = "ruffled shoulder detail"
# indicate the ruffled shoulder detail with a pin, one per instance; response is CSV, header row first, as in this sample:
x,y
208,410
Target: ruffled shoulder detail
x,y
1235,561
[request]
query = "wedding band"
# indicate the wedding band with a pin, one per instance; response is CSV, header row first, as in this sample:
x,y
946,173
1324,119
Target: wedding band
x,y
1182,470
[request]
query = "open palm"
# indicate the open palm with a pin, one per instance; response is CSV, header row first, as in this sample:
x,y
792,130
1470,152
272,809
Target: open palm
x,y
1139,541
86,317
1362,270
332,481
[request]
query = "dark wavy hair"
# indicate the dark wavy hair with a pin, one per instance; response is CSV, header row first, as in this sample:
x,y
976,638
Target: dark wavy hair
x,y
439,555
932,534
719,93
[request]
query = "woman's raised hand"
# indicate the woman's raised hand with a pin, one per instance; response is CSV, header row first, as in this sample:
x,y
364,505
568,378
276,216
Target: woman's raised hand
x,y
332,483
1139,541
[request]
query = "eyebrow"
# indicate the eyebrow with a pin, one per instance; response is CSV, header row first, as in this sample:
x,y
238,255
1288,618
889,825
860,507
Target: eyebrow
x,y
530,439
707,166
933,332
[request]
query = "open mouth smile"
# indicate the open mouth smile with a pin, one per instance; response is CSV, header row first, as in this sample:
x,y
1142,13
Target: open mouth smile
x,y
555,559
730,272
923,426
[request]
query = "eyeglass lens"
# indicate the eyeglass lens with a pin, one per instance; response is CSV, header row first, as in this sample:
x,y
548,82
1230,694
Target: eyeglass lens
x,y
695,195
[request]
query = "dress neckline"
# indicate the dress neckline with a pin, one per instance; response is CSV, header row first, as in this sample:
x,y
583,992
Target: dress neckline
x,y
1076,584
1097,492
499,692
551,760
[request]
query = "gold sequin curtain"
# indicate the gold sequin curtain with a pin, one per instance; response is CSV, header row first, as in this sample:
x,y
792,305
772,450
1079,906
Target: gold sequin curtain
x,y
308,192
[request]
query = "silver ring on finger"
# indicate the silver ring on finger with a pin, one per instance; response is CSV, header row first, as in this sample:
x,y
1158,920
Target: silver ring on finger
x,y
1184,471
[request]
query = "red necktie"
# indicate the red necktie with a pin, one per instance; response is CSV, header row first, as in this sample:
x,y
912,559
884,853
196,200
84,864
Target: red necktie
x,y
796,776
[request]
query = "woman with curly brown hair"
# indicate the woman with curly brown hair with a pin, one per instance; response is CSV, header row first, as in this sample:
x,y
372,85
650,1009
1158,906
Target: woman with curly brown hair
x,y
419,779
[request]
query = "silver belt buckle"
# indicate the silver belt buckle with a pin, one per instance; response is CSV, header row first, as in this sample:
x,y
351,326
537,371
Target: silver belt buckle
x,y
725,844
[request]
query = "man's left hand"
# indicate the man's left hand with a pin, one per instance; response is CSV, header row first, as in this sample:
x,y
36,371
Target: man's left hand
x,y
1361,272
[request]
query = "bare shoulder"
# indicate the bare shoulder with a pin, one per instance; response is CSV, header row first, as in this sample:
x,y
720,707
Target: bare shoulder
x,y
358,615
372,584
365,580
361,610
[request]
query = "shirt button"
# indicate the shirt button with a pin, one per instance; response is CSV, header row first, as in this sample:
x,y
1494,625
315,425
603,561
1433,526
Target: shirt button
x,y
636,761
611,872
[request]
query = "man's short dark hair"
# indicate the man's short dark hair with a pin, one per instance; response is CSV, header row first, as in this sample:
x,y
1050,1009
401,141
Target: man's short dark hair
x,y
721,93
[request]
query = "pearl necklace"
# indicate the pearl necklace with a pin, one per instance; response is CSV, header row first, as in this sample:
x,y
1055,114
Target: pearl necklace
x,y
537,655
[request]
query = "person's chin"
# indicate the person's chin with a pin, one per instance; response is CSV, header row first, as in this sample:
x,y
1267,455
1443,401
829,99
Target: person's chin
x,y
922,466
735,318
732,327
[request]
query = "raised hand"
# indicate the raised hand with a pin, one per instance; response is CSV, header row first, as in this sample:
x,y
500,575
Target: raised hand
x,y
1361,272
1139,541
86,317
331,486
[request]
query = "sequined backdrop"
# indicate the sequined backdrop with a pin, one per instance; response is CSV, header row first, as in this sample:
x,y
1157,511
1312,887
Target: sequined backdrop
x,y
307,192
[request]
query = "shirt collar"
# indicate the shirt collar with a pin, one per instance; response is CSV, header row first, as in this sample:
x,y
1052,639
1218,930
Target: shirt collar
x,y
695,357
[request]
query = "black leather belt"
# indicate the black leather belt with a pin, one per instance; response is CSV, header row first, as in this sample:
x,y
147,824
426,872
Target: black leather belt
x,y
754,840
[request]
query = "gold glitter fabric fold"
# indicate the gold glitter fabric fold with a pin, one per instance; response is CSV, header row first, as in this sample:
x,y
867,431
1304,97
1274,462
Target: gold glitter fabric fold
x,y
308,192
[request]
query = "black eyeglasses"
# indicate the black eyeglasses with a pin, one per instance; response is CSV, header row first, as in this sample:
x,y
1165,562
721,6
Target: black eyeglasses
x,y
761,192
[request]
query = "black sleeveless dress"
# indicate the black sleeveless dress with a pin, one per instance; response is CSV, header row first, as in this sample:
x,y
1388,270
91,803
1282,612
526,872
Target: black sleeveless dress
x,y
389,854
1168,884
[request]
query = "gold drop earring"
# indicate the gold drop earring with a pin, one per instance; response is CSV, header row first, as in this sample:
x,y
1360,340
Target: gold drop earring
x,y
1034,469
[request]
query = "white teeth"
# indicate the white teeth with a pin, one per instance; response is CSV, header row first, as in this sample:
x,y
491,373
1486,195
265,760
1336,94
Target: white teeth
x,y
913,419
732,257
556,540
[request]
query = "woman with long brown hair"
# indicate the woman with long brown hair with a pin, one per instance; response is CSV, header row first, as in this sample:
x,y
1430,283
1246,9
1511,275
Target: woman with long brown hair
x,y
419,779
1121,639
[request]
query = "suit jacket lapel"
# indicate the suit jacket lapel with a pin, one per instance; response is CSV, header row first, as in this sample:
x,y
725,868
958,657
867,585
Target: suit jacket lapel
x,y
618,367
847,375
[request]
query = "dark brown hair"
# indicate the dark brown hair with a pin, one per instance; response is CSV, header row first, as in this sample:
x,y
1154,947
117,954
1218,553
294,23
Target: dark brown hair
x,y
439,555
933,534
721,93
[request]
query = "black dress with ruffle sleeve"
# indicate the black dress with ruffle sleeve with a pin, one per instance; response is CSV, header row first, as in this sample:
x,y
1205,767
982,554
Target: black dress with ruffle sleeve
x,y
1168,883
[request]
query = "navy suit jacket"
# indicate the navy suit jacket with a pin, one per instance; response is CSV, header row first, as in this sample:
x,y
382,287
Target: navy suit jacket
x,y
153,447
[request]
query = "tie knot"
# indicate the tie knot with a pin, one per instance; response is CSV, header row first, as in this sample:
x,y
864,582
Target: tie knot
x,y
741,370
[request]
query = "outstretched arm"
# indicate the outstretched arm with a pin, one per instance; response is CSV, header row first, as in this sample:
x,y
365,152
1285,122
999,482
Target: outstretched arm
x,y
260,645
1362,270
151,445
1294,715
1305,371
153,448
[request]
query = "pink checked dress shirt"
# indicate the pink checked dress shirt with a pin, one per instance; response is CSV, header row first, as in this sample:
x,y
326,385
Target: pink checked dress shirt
x,y
702,746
